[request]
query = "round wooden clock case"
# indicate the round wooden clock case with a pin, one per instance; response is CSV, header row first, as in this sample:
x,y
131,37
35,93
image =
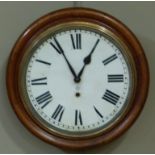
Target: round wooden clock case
x,y
73,18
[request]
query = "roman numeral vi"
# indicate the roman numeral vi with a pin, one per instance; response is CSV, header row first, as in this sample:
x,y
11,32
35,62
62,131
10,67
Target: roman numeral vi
x,y
78,117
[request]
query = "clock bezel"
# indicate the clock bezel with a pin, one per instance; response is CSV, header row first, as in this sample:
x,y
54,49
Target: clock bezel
x,y
52,31
84,15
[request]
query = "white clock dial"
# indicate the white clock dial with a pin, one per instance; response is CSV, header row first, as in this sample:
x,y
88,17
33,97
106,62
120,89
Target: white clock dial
x,y
78,81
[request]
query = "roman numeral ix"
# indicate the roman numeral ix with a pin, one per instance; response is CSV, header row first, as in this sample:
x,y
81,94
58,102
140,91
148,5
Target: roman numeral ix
x,y
40,81
110,59
76,40
44,99
111,97
58,112
116,78
78,117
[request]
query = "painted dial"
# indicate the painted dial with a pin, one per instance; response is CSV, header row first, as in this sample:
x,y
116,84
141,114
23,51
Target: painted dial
x,y
78,81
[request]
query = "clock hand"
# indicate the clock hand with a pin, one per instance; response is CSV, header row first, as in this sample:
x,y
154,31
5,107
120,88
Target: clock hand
x,y
87,60
61,51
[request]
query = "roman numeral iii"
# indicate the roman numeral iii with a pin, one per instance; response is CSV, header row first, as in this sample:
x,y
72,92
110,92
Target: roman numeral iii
x,y
44,99
116,78
111,97
76,40
58,112
78,117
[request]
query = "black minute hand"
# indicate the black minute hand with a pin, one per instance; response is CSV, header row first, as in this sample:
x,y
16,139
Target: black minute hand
x,y
61,51
87,60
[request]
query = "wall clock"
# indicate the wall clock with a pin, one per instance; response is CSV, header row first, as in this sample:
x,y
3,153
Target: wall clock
x,y
77,78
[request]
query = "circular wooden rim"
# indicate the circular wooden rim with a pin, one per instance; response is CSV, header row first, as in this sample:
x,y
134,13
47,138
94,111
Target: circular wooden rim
x,y
103,19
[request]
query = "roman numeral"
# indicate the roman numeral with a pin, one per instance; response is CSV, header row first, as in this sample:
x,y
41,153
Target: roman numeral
x,y
97,111
44,99
43,62
116,78
76,40
56,46
78,118
110,59
40,81
58,112
111,97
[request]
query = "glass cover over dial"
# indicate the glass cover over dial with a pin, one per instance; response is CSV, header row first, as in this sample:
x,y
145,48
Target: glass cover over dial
x,y
77,81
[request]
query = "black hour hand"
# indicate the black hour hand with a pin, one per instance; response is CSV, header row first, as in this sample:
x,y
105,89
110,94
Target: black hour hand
x,y
87,60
